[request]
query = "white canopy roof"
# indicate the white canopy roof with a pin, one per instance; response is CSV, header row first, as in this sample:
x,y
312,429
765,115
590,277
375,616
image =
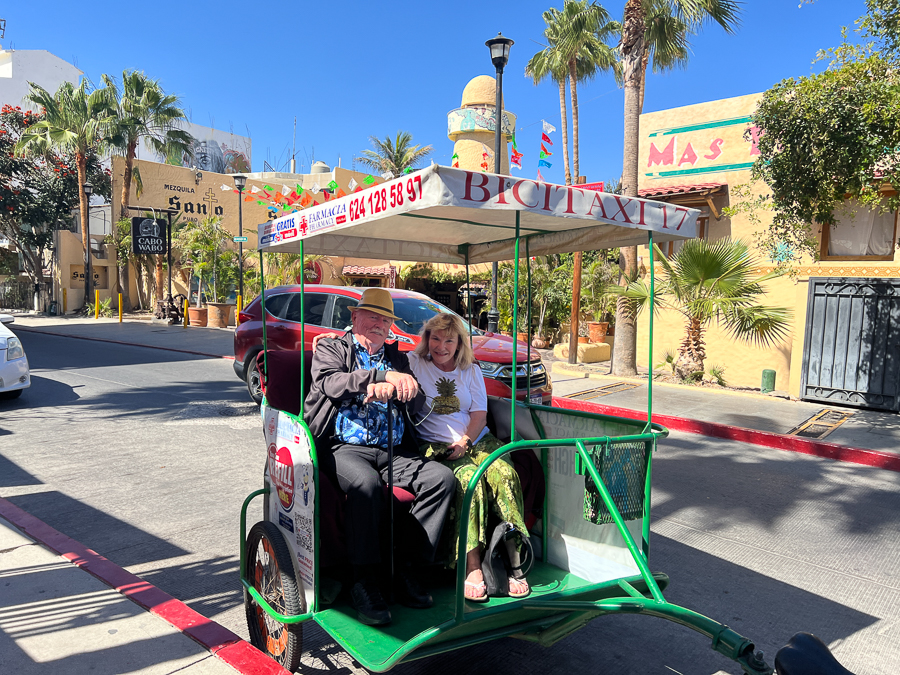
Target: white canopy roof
x,y
439,214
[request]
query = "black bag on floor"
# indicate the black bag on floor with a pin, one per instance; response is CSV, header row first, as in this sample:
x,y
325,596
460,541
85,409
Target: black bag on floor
x,y
502,559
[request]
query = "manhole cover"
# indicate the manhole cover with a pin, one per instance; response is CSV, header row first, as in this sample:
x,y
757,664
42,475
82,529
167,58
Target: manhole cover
x,y
821,424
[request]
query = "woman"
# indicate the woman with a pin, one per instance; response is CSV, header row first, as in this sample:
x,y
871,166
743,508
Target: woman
x,y
453,431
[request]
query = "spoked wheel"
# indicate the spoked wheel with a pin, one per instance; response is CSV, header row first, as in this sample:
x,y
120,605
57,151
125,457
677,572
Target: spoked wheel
x,y
254,381
270,570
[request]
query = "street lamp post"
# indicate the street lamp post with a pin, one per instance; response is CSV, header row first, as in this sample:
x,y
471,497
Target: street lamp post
x,y
240,182
499,47
88,272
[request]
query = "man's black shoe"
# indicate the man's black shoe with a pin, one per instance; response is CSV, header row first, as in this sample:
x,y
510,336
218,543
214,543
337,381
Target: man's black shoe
x,y
369,604
410,591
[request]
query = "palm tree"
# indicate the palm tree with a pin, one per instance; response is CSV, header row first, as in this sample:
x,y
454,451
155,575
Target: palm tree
x,y
145,111
712,282
692,14
577,51
78,120
547,63
665,41
394,156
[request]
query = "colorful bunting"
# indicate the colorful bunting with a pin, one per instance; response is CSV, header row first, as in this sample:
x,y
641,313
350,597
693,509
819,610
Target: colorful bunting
x,y
253,189
368,180
548,128
408,170
333,186
540,177
226,188
340,193
306,200
267,188
298,190
352,184
315,189
512,138
545,152
544,162
387,175
546,139
285,190
455,156
516,159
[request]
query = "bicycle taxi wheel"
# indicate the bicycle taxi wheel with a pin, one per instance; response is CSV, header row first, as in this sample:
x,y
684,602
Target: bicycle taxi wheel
x,y
594,538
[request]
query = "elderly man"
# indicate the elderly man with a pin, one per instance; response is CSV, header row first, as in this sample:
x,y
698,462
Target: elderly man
x,y
353,377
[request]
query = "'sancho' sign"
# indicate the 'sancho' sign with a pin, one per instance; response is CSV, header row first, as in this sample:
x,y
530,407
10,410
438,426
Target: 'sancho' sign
x,y
148,236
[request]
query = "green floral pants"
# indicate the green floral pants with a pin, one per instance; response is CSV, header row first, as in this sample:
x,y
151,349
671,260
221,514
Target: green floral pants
x,y
501,493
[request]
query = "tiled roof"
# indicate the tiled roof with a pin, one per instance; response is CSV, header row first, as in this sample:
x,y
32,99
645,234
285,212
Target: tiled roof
x,y
372,271
678,189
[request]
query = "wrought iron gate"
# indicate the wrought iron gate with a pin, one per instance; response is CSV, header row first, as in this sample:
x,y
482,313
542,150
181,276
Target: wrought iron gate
x,y
851,352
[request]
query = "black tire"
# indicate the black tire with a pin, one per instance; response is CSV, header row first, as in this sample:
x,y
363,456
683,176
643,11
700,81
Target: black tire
x,y
254,380
270,570
8,395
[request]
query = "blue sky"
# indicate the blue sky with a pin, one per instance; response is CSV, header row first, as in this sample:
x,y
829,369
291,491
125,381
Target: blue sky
x,y
353,69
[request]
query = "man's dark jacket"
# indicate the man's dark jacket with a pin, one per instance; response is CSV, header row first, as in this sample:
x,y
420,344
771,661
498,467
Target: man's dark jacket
x,y
335,379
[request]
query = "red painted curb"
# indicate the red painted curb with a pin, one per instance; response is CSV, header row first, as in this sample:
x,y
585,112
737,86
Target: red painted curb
x,y
220,641
29,329
841,453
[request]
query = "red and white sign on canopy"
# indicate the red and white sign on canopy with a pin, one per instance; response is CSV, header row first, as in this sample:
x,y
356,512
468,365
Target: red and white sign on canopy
x,y
441,214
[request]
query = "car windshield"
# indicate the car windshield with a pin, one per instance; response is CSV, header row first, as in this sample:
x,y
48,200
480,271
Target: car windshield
x,y
414,312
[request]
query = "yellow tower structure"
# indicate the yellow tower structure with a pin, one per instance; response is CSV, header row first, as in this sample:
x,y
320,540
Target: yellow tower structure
x,y
472,127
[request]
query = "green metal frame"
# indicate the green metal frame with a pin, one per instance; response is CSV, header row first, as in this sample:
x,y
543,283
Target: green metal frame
x,y
566,611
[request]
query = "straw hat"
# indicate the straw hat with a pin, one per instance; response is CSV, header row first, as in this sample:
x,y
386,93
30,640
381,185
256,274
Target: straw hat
x,y
376,300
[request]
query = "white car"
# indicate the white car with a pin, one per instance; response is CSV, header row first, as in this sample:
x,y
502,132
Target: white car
x,y
15,376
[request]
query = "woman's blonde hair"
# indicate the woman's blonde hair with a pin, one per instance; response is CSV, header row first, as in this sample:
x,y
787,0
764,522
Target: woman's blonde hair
x,y
450,324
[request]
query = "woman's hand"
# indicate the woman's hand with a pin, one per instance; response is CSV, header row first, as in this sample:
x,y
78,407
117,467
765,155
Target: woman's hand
x,y
332,336
457,450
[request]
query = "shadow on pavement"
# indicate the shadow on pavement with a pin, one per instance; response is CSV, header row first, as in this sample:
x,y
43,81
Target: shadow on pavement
x,y
735,493
12,475
109,536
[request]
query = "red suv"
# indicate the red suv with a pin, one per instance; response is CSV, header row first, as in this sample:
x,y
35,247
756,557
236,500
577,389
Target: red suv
x,y
328,310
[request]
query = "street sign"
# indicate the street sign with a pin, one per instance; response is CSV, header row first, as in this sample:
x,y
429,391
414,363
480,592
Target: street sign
x,y
237,240
148,236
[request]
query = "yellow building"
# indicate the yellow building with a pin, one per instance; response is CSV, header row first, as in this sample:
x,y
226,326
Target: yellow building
x,y
195,194
696,156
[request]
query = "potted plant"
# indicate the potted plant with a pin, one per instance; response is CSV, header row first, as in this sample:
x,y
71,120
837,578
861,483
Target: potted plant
x,y
202,243
599,291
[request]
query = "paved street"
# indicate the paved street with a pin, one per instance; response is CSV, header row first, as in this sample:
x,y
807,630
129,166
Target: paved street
x,y
145,456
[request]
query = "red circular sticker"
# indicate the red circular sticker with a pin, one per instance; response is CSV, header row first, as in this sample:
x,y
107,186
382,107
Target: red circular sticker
x,y
284,477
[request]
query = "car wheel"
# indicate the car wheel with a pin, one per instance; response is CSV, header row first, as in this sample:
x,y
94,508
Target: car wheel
x,y
254,381
15,393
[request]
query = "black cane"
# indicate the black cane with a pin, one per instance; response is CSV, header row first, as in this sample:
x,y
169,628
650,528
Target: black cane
x,y
390,426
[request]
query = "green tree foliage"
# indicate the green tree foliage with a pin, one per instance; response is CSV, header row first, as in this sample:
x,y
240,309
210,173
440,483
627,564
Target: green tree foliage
x,y
882,25
714,282
394,155
204,246
75,120
827,136
38,192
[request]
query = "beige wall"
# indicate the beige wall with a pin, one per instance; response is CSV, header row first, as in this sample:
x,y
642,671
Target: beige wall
x,y
713,143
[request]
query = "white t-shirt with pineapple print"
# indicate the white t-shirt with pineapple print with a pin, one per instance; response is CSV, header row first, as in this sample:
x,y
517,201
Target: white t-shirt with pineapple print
x,y
450,398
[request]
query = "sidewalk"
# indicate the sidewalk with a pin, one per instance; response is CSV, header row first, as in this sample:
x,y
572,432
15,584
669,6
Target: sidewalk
x,y
77,612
